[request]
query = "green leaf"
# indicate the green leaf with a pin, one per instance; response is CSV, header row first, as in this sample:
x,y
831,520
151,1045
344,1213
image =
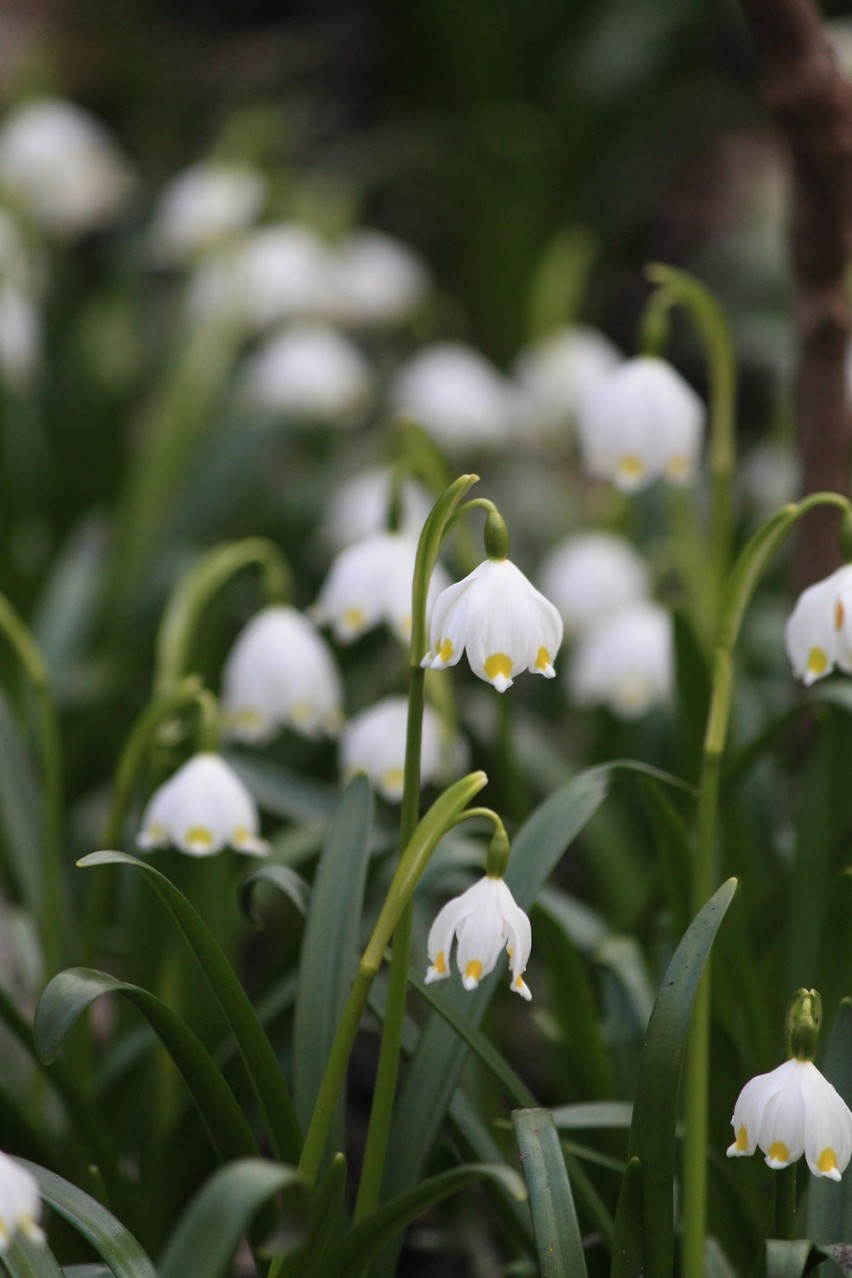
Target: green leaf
x,y
557,1234
210,1229
25,1259
653,1132
87,1271
329,955
790,1259
285,794
287,881
830,1204
20,822
107,1235
255,1048
592,1115
628,1244
328,1220
71,992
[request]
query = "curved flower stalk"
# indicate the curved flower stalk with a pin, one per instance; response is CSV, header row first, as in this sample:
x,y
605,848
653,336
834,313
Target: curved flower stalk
x,y
201,809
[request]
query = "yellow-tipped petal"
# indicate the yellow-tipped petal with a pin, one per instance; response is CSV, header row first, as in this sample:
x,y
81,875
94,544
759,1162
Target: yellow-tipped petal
x,y
817,661
827,1162
498,664
741,1143
778,1152
200,836
445,651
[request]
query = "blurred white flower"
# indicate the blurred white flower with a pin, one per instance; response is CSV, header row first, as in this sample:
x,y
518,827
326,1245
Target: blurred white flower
x,y
20,1203
557,372
62,167
370,582
589,575
485,920
456,396
639,422
374,742
309,372
819,631
20,336
378,281
794,1110
361,504
280,673
201,809
625,662
202,206
500,619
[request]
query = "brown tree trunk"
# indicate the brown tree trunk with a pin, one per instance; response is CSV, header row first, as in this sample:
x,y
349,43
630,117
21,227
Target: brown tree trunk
x,y
812,103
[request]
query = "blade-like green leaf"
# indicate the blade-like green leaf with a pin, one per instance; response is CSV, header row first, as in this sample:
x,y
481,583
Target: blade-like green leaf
x,y
790,1259
328,1222
281,877
653,1132
115,1244
71,992
283,793
628,1244
592,1115
25,1259
830,1204
329,955
20,823
210,1229
255,1048
557,1234
87,1271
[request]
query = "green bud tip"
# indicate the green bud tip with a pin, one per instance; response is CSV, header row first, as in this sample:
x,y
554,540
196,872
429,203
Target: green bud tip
x,y
803,1021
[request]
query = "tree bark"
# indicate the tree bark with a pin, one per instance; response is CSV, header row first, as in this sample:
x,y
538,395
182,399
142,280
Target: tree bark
x,y
812,104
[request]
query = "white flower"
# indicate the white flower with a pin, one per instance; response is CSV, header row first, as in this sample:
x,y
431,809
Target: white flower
x,y
625,662
557,372
500,619
203,808
485,920
280,672
456,396
20,336
371,582
202,206
20,1204
639,422
791,1111
63,168
374,742
379,281
310,372
361,505
819,630
591,575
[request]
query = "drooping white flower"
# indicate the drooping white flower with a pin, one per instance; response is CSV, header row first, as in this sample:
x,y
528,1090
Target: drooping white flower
x,y
625,662
202,206
20,1203
374,742
498,617
456,396
590,575
371,582
794,1110
280,673
379,282
485,920
361,504
819,631
639,422
558,372
309,372
62,167
203,808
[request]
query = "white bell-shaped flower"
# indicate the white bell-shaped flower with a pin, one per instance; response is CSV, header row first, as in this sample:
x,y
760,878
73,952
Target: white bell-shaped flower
x,y
202,206
62,167
794,1110
639,422
498,617
203,808
379,282
485,920
590,575
20,1203
456,396
374,742
279,673
309,372
558,372
361,505
625,662
371,582
819,631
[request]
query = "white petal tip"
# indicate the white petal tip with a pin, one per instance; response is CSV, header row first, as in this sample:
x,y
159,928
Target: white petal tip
x,y
523,989
470,982
252,847
776,1164
501,683
434,975
733,1152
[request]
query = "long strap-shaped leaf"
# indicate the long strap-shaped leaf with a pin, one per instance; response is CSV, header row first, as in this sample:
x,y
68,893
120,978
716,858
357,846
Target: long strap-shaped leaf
x,y
557,1234
653,1131
255,1048
25,1259
115,1244
71,992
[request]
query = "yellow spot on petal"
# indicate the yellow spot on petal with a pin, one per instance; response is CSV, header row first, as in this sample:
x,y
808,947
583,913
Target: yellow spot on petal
x,y
742,1139
678,468
839,616
498,664
630,466
4,1229
817,661
393,778
353,618
473,971
405,624
302,712
542,661
778,1152
827,1161
445,651
242,834
440,964
199,834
